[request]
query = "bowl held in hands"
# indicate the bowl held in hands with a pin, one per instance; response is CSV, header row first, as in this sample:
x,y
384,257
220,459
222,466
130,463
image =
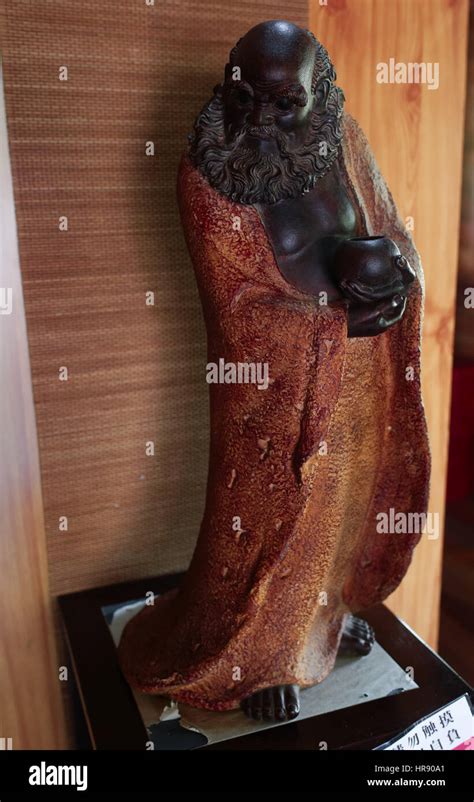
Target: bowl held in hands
x,y
367,269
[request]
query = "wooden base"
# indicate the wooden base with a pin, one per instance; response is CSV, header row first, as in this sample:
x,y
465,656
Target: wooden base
x,y
114,721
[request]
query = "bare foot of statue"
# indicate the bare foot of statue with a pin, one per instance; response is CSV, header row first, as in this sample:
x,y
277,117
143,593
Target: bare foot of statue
x,y
273,704
357,637
282,703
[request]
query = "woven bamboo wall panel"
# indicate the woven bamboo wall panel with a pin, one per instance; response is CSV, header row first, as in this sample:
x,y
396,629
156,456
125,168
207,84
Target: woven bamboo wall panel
x,y
136,73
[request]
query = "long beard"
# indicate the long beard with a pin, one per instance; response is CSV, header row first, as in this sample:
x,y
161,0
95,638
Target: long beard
x,y
247,176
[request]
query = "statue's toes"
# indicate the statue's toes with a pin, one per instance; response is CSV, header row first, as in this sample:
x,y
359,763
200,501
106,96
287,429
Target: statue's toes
x,y
357,638
280,703
363,630
363,646
268,705
292,701
287,702
253,706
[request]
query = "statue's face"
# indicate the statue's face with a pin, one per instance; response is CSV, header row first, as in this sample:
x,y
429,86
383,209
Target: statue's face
x,y
259,138
266,97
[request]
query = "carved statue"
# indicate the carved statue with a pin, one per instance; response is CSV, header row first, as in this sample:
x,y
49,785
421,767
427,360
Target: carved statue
x,y
303,265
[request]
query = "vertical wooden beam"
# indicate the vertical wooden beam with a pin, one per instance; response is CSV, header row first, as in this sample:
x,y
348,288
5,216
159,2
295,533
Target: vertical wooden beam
x,y
31,710
416,134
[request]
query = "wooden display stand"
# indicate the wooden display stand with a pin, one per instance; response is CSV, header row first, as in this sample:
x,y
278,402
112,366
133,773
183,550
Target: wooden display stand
x,y
114,720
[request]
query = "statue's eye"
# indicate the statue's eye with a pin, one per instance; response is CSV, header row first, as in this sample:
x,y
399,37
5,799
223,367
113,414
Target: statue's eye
x,y
283,104
244,97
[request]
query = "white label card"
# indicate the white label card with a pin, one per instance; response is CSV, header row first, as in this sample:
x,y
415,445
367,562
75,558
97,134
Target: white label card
x,y
446,729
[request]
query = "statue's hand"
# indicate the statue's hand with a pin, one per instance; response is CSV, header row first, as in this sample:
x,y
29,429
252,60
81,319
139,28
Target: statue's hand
x,y
369,317
366,320
395,279
405,268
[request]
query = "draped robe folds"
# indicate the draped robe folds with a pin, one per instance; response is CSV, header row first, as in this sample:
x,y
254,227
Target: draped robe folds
x,y
338,437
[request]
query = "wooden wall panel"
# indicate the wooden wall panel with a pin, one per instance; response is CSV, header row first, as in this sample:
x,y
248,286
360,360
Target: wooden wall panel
x,y
464,335
416,134
30,706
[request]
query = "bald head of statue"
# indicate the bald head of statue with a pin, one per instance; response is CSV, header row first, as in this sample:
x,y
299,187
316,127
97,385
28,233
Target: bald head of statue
x,y
273,127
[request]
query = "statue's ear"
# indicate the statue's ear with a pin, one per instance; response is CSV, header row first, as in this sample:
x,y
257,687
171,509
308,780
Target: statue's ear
x,y
322,93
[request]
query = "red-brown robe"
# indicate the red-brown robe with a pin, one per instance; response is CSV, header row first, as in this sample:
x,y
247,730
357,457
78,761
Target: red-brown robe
x,y
338,437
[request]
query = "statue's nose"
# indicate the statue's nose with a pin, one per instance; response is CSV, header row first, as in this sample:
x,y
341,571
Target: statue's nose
x,y
260,115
